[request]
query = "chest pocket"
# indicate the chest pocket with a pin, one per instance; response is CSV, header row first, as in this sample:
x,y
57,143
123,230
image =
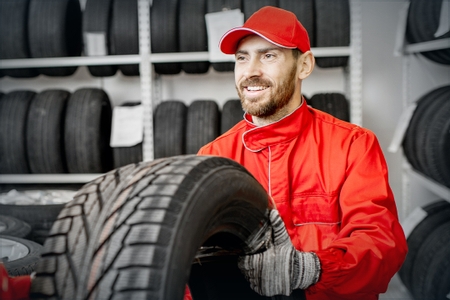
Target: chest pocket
x,y
316,209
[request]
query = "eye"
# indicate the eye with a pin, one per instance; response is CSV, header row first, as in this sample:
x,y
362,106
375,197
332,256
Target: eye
x,y
269,56
240,57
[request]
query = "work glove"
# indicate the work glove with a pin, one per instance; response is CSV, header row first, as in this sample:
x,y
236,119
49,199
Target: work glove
x,y
281,268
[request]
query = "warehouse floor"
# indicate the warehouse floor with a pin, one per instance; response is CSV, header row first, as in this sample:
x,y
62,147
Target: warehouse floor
x,y
396,291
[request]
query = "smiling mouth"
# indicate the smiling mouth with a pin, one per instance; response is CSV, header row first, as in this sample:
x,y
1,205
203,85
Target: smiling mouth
x,y
256,88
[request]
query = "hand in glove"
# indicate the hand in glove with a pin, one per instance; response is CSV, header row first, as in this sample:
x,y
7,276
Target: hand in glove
x,y
281,268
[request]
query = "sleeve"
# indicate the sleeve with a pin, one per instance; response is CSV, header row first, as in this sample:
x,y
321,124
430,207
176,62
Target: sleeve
x,y
14,288
371,245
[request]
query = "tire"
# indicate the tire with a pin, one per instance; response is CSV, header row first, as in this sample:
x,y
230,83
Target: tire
x,y
202,124
125,33
164,33
437,213
332,29
14,36
232,113
13,114
251,6
429,255
333,103
127,155
97,17
19,256
139,229
13,227
39,217
45,132
87,132
54,29
170,129
192,33
217,6
304,10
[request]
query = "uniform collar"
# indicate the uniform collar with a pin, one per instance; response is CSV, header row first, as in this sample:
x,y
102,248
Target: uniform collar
x,y
257,138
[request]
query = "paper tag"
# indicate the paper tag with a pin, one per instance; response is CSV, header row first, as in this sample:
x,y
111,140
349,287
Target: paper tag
x,y
417,216
217,24
95,44
127,126
444,20
401,128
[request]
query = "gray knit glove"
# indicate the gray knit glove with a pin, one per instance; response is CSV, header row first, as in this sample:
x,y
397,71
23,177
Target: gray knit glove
x,y
281,268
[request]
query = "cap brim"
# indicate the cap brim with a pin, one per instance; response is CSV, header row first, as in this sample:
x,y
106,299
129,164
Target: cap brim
x,y
230,40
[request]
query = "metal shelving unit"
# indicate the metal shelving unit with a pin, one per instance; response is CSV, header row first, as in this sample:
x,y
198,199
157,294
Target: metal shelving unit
x,y
145,59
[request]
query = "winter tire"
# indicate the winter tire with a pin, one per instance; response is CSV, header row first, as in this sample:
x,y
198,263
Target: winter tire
x,y
164,33
54,29
13,227
19,256
87,132
232,113
332,29
14,35
333,103
192,33
170,129
138,239
45,132
13,115
202,124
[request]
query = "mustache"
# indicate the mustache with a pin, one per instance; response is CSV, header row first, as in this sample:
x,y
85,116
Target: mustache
x,y
255,82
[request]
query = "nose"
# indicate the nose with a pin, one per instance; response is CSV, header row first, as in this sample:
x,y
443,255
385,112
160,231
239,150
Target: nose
x,y
252,68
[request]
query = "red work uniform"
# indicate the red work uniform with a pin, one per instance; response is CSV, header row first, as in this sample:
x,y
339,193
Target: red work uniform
x,y
330,184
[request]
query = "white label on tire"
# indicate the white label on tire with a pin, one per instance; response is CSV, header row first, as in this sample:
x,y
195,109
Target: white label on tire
x,y
413,220
95,44
127,126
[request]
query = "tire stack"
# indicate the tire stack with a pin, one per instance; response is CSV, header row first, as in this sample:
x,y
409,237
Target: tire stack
x,y
427,140
55,131
423,22
426,270
333,103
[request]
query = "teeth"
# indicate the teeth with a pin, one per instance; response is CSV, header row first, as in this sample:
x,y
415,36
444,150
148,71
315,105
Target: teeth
x,y
256,88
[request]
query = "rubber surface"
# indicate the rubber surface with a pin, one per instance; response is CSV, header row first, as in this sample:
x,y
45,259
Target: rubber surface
x,y
13,227
232,113
202,127
25,265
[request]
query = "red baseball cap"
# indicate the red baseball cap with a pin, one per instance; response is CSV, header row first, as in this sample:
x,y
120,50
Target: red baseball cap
x,y
276,25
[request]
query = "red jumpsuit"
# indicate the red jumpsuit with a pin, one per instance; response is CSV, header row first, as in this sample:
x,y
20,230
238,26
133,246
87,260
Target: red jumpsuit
x,y
329,181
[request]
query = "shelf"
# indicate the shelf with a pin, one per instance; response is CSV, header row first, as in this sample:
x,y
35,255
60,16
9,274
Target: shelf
x,y
136,59
428,46
433,186
47,178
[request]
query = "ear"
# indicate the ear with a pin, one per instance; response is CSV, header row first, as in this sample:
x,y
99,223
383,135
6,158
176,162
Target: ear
x,y
305,64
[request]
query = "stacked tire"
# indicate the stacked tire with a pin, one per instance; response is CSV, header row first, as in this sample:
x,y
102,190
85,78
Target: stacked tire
x,y
426,270
427,140
55,131
333,103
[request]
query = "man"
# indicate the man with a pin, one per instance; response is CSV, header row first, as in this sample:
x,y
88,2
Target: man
x,y
328,178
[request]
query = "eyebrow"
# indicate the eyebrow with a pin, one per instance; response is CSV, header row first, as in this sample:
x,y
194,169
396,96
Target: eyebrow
x,y
262,50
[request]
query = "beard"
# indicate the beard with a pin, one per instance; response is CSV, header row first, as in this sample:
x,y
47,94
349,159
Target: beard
x,y
277,99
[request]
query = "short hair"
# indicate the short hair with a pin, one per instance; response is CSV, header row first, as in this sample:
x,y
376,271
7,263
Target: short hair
x,y
296,53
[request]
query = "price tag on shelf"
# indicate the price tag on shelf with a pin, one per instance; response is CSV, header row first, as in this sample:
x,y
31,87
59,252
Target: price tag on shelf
x,y
127,126
401,128
95,44
217,24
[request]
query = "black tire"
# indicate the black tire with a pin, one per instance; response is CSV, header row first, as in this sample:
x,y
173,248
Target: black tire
x,y
251,6
222,5
97,17
45,132
232,113
164,33
192,33
39,217
333,103
202,127
409,141
304,10
87,132
332,29
140,229
125,33
54,29
438,213
432,247
437,144
13,115
26,263
127,155
422,23
170,129
14,36
13,227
